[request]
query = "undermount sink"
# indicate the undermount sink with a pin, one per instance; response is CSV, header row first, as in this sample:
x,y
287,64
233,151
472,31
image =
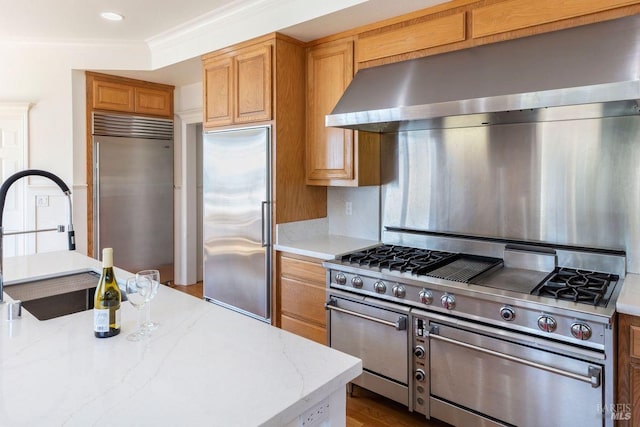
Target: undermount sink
x,y
56,296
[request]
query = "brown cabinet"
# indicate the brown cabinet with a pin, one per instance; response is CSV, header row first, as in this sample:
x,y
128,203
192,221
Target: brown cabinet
x,y
113,93
335,156
628,397
412,36
513,15
237,86
301,291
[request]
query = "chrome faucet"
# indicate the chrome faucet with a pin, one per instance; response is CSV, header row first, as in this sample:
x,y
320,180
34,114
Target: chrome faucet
x,y
3,195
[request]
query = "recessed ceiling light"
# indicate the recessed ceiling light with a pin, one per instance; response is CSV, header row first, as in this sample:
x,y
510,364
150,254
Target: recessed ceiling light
x,y
112,16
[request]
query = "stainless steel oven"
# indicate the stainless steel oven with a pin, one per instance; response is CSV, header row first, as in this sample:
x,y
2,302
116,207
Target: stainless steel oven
x,y
378,333
507,335
473,374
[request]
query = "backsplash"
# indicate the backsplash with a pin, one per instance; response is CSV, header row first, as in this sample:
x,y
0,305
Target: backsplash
x,y
364,218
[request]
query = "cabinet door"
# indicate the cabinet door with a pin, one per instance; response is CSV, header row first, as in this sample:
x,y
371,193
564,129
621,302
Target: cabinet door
x,y
153,101
217,80
330,151
113,96
253,84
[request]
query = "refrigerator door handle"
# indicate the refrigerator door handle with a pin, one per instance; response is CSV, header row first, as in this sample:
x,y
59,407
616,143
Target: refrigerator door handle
x,y
265,242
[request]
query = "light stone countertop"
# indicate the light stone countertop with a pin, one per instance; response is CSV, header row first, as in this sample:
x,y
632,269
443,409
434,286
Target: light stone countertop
x,y
326,246
204,365
313,238
628,301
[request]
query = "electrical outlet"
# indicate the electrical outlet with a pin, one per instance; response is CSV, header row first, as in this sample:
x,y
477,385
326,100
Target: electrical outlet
x,y
42,201
348,208
317,416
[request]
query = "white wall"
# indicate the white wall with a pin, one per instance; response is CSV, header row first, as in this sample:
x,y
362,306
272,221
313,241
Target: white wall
x,y
43,74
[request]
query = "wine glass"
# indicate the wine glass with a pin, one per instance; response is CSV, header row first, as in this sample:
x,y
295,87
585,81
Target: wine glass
x,y
154,278
138,290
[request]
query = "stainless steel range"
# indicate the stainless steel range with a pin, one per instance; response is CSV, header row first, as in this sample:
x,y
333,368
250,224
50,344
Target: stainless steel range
x,y
481,332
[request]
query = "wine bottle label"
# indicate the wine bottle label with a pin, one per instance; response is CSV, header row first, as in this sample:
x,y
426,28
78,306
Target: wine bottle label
x,y
101,319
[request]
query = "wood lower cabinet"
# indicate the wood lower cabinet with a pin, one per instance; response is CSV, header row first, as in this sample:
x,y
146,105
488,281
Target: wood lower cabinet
x,y
335,156
237,85
628,389
301,294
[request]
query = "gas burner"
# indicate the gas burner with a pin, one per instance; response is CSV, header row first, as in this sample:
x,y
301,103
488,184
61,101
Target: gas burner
x,y
400,258
589,287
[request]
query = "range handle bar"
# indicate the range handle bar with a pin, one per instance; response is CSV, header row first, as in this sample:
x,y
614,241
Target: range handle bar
x,y
400,324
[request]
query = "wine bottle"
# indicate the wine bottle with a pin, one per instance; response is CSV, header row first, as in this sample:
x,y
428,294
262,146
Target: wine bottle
x,y
106,304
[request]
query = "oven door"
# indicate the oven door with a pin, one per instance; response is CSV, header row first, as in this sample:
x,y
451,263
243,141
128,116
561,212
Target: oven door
x,y
375,332
495,373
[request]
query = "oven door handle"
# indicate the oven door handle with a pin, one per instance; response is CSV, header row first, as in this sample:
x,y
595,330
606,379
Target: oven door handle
x,y
593,377
400,324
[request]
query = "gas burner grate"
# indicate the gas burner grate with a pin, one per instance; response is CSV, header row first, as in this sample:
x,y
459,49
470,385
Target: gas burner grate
x,y
400,258
590,287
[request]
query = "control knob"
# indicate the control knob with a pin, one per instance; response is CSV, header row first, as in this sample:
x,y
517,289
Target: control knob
x,y
341,279
547,323
356,282
448,301
419,352
582,331
398,291
420,375
426,297
507,313
380,287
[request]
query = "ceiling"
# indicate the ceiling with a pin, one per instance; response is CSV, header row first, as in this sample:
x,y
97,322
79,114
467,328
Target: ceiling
x,y
67,21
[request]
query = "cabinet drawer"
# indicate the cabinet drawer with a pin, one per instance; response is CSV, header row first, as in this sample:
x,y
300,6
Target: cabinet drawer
x,y
409,38
312,332
303,300
306,271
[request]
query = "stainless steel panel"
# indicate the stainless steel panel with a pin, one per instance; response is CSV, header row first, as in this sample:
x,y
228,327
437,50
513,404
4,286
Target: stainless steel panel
x,y
509,82
133,202
456,416
383,349
506,390
392,390
131,126
236,231
564,183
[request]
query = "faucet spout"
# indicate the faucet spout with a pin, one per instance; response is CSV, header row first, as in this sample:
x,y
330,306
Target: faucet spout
x,y
3,196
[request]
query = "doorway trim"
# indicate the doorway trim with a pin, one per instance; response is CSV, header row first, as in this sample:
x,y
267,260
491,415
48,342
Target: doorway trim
x,y
185,193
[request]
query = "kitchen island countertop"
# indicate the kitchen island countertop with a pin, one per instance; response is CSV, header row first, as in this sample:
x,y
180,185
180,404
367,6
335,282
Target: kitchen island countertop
x,y
204,365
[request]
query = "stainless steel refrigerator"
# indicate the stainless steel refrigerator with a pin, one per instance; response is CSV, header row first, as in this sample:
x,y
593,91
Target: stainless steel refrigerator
x,y
133,191
237,219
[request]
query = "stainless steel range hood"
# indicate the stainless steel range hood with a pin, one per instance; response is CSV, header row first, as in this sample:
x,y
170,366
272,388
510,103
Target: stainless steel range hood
x,y
583,72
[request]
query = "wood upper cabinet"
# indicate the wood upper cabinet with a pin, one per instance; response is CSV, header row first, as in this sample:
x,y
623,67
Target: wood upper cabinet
x,y
302,293
114,93
153,101
511,15
238,86
335,156
108,95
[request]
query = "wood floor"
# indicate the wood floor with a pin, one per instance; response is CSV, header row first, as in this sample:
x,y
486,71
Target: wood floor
x,y
364,408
